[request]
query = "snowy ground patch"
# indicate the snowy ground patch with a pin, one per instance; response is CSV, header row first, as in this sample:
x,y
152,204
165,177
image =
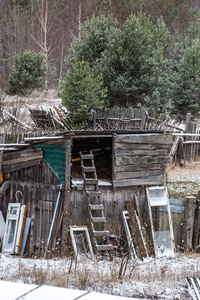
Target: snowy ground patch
x,y
152,279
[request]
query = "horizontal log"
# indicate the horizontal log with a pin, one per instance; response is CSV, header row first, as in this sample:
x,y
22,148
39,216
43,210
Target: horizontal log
x,y
128,146
157,138
140,174
17,167
141,160
140,152
132,168
24,153
153,180
22,160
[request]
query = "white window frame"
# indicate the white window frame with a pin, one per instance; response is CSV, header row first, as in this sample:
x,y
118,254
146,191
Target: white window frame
x,y
83,229
11,217
154,203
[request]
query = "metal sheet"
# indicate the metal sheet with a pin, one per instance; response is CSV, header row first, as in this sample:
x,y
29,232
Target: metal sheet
x,y
25,235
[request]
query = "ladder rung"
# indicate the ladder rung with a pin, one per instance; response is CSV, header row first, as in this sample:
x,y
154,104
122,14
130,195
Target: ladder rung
x,y
89,169
93,193
104,247
87,156
101,233
96,206
91,181
98,219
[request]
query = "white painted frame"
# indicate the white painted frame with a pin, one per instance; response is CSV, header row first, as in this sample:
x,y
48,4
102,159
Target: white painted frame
x,y
74,229
6,248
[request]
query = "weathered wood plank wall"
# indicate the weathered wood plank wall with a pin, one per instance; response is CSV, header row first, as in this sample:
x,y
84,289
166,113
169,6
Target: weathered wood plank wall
x,y
39,187
140,159
114,203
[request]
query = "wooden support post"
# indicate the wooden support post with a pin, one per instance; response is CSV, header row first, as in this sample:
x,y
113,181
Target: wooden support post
x,y
197,223
188,222
65,221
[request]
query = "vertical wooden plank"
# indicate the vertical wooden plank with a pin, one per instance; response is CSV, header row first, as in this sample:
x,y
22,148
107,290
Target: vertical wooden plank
x,y
197,221
65,223
188,223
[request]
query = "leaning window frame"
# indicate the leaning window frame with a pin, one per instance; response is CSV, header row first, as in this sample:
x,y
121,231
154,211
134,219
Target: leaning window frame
x,y
169,217
11,217
73,229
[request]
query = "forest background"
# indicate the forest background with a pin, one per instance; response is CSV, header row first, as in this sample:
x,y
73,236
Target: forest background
x,y
120,52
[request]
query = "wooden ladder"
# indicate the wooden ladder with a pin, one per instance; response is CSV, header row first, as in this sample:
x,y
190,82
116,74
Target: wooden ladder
x,y
98,224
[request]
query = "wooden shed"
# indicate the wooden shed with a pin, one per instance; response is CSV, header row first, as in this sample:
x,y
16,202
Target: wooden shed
x,y
125,162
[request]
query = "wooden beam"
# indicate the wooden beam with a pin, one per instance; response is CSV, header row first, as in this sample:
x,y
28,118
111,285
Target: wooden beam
x,y
22,159
185,134
14,145
19,166
156,138
138,174
41,138
133,168
128,146
143,160
66,212
152,180
140,152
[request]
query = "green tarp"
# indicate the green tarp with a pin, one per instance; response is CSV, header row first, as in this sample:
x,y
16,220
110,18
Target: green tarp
x,y
55,157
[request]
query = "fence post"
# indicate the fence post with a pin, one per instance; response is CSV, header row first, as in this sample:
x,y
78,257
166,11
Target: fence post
x,y
188,222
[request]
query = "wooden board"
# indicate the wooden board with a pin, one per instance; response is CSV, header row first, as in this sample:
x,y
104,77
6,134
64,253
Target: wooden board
x,y
21,156
134,168
138,174
155,138
19,166
152,180
134,146
141,152
142,160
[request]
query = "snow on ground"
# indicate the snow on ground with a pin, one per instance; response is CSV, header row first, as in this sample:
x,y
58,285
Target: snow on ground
x,y
152,279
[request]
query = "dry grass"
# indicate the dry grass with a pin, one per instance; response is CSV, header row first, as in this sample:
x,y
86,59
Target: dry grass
x,y
139,279
183,181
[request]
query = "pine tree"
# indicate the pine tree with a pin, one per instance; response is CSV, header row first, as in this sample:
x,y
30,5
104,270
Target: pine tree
x,y
82,92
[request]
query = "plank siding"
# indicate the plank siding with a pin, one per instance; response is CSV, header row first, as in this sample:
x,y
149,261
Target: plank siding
x,y
140,159
156,138
39,187
114,203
